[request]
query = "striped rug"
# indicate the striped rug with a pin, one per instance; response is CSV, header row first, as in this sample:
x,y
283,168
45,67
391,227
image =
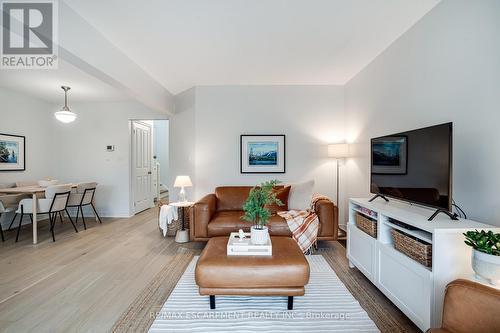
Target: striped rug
x,y
326,307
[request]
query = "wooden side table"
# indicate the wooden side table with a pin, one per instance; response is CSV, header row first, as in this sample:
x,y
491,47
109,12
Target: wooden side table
x,y
182,235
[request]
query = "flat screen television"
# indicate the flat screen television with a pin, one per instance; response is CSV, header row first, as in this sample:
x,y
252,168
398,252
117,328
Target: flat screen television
x,y
414,166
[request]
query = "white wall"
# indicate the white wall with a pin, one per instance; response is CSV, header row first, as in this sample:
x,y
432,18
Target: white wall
x,y
182,142
446,68
309,116
161,147
83,155
33,118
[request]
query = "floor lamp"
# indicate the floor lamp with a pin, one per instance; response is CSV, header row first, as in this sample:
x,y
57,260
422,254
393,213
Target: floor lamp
x,y
338,151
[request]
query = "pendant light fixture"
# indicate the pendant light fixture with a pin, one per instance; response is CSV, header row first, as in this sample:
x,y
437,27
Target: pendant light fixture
x,y
65,115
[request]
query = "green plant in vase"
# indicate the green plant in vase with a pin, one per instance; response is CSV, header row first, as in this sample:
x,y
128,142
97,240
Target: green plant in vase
x,y
485,254
487,242
256,211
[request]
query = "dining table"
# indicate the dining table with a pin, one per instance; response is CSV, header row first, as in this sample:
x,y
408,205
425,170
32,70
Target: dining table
x,y
33,191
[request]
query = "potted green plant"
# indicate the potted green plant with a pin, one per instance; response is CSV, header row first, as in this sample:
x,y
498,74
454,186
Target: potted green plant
x,y
256,211
485,254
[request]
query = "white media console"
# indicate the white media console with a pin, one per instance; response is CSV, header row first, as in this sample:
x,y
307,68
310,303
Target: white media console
x,y
415,289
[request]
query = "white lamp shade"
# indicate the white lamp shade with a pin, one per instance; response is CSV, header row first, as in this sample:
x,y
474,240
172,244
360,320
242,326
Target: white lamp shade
x,y
338,150
183,181
65,116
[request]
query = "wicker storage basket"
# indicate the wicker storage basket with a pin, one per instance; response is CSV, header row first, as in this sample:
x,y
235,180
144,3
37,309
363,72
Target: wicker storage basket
x,y
367,225
173,227
414,248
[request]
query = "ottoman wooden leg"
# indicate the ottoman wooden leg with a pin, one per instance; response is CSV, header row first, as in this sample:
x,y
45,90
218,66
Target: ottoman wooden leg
x,y
212,302
290,302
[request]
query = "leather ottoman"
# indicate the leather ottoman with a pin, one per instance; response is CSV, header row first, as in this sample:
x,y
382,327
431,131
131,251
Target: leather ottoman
x,y
285,273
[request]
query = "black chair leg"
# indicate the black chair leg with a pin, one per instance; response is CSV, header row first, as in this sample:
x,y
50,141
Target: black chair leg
x,y
52,218
19,225
95,211
74,226
31,218
12,222
67,213
77,213
60,217
83,218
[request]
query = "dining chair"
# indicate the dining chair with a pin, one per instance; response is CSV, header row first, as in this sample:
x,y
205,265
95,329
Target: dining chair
x,y
6,185
3,210
8,203
29,183
84,196
54,203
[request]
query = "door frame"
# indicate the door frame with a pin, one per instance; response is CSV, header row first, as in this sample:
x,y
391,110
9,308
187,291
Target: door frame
x,y
131,165
130,159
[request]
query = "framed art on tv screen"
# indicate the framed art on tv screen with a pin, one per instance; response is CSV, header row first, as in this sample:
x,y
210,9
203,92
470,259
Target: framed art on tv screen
x,y
389,155
262,153
12,152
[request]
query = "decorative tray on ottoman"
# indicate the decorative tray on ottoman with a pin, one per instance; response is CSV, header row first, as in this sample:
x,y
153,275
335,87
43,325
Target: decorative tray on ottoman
x,y
244,247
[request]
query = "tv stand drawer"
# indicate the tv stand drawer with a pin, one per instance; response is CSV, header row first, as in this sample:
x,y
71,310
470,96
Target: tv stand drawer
x,y
363,254
406,284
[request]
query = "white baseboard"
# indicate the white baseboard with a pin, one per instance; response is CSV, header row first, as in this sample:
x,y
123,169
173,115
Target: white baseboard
x,y
114,216
88,212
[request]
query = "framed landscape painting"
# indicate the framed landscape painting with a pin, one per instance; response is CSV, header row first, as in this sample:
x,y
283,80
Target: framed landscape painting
x,y
389,155
262,153
12,152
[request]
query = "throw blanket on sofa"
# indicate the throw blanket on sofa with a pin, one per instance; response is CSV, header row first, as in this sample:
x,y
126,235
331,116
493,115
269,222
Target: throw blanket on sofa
x,y
304,224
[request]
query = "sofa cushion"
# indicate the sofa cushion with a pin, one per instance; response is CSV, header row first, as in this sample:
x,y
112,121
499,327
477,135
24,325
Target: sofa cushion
x,y
231,197
300,197
282,195
278,226
225,222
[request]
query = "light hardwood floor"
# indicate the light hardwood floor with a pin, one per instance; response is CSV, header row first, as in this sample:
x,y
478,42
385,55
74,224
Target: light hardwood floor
x,y
84,282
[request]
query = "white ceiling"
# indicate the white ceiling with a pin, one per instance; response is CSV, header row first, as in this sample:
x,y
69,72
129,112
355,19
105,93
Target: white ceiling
x,y
183,43
46,84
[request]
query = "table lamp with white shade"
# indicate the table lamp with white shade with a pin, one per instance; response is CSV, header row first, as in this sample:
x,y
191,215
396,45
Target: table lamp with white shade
x,y
338,151
182,182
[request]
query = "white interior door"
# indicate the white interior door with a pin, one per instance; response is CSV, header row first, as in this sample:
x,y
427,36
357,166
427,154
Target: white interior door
x,y
141,165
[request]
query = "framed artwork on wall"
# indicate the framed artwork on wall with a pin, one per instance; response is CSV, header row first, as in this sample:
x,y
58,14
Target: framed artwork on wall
x,y
262,153
12,152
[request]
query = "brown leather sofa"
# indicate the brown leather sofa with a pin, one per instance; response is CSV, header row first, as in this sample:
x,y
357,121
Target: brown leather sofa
x,y
219,214
470,307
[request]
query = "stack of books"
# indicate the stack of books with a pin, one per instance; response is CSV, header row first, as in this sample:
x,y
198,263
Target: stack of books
x,y
237,246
